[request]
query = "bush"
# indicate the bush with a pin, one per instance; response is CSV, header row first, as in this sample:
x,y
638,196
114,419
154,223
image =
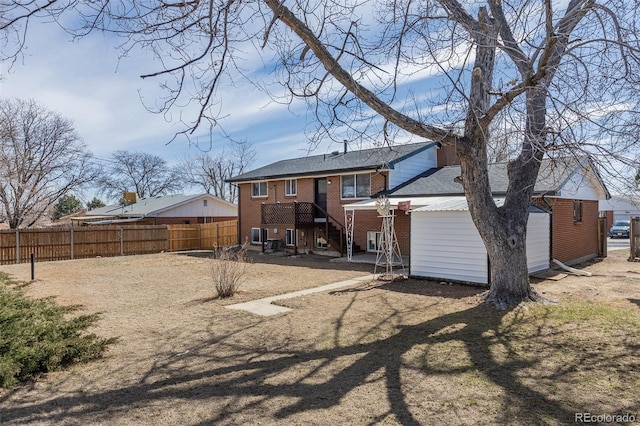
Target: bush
x,y
37,337
227,268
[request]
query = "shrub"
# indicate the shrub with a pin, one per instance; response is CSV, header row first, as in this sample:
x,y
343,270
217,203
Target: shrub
x,y
36,335
228,266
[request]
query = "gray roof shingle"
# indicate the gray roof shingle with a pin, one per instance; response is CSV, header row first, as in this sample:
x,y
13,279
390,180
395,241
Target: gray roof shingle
x,y
143,206
553,175
334,163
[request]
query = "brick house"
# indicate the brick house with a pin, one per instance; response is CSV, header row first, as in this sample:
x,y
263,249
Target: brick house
x,y
299,203
569,189
305,204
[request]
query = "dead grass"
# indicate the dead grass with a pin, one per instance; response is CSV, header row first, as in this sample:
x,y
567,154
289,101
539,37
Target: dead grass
x,y
407,352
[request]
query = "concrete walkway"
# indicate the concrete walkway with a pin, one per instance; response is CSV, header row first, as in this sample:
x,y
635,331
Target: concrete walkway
x,y
265,307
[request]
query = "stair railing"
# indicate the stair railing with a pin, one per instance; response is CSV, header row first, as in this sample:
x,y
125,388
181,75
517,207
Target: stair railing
x,y
335,222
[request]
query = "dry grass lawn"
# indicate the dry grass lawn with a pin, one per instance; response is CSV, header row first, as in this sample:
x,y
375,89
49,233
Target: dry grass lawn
x,y
410,352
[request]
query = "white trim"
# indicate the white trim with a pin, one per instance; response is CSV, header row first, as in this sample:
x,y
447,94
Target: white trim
x,y
379,236
259,235
355,186
288,232
266,186
286,187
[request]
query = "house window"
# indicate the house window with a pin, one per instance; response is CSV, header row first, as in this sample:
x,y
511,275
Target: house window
x,y
356,186
320,242
259,189
256,235
204,203
373,240
290,237
290,187
577,210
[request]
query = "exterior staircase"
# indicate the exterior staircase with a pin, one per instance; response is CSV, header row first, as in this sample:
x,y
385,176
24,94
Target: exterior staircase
x,y
336,237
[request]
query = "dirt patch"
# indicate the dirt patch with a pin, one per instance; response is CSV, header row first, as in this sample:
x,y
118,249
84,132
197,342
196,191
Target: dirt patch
x,y
407,352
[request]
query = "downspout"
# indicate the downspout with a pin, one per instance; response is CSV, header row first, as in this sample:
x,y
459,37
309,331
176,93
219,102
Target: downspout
x,y
239,227
550,208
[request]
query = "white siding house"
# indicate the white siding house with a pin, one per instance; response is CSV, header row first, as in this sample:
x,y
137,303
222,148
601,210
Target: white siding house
x,y
176,208
446,245
623,208
201,206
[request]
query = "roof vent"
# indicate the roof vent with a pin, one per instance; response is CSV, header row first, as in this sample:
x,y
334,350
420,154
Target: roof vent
x,y
335,153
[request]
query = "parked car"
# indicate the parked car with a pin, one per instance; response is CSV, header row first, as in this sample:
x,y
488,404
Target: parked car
x,y
620,229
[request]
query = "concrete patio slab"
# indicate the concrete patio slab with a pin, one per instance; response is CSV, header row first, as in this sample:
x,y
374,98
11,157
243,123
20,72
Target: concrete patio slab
x,y
265,306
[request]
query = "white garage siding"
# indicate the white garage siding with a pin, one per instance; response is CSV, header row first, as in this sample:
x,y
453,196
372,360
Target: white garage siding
x,y
446,245
538,241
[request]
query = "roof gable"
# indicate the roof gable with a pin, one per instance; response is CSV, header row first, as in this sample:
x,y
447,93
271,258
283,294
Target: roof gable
x,y
152,206
554,177
335,163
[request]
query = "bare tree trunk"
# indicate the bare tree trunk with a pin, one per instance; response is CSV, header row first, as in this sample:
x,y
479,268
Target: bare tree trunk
x,y
502,229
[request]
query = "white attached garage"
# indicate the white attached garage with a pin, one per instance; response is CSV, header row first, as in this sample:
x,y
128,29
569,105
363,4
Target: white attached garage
x,y
446,245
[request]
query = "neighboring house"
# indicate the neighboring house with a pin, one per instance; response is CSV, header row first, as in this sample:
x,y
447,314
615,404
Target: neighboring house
x,y
163,210
619,208
299,202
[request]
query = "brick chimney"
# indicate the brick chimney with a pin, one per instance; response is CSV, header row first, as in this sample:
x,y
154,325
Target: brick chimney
x,y
447,156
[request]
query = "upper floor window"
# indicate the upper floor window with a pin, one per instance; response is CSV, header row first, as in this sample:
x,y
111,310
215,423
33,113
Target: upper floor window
x,y
290,187
356,185
259,189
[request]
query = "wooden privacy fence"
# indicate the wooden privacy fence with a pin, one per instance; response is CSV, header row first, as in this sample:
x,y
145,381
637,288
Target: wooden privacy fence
x,y
203,236
80,242
17,246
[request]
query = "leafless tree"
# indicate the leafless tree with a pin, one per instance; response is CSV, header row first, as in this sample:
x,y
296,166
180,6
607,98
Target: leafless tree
x,y
41,160
208,171
145,174
562,72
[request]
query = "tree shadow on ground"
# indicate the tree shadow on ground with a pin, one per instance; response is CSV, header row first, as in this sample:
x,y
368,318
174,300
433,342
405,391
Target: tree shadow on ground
x,y
303,260
253,376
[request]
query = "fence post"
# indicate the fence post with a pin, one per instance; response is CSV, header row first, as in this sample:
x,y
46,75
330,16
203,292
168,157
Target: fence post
x,y
17,246
72,244
121,241
633,242
217,235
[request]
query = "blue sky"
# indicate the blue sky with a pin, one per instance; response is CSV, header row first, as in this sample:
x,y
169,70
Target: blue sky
x,y
85,81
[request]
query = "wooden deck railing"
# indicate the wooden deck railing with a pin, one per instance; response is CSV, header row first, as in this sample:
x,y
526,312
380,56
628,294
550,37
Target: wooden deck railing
x,y
299,214
302,214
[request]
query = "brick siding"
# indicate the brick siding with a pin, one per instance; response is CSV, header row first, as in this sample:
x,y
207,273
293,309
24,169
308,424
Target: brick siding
x,y
573,241
250,209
